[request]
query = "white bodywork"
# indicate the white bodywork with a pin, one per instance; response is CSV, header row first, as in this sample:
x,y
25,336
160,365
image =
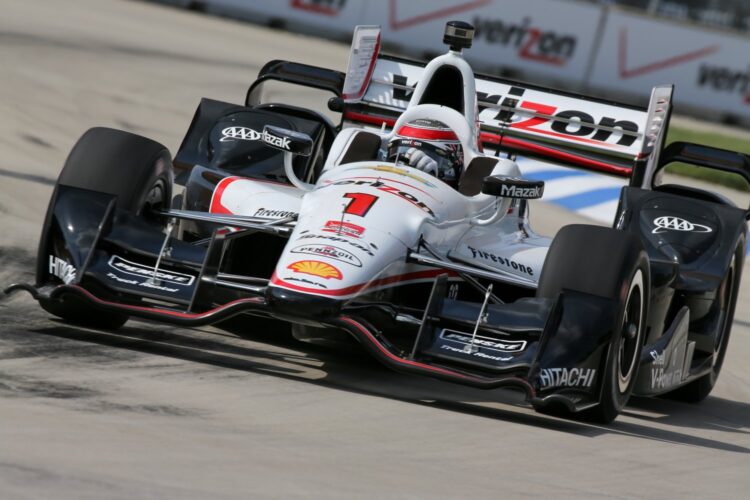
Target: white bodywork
x,y
339,254
357,225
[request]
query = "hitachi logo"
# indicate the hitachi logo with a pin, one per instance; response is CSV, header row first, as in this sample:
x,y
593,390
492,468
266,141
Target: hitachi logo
x,y
566,377
520,192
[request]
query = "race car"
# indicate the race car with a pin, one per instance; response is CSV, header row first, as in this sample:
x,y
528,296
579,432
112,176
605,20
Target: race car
x,y
356,230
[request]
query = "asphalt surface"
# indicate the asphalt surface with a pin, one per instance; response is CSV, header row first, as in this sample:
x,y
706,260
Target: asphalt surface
x,y
159,412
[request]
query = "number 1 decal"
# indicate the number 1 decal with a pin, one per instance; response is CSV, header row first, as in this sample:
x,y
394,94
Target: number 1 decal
x,y
360,203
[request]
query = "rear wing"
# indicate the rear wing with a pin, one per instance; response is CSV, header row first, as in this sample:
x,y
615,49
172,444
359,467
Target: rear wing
x,y
517,117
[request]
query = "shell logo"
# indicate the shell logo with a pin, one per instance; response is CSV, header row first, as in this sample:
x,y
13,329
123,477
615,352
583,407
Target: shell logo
x,y
315,268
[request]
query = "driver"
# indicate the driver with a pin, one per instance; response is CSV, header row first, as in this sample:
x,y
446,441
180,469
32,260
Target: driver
x,y
430,146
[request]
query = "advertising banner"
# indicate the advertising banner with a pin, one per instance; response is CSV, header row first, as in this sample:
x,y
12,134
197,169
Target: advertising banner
x,y
710,69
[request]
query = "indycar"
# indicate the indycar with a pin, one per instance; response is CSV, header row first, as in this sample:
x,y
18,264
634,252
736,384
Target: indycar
x,y
285,216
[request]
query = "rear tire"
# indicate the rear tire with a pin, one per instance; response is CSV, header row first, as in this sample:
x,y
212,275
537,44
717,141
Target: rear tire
x,y
698,390
611,264
135,169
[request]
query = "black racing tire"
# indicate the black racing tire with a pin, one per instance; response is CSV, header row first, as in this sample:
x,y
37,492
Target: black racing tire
x,y
135,169
612,264
699,389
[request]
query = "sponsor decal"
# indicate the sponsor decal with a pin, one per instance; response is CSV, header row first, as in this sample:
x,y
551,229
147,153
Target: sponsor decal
x,y
322,7
657,358
135,269
723,79
573,124
144,284
275,214
671,223
476,354
398,171
62,269
662,378
248,134
239,133
342,228
491,344
308,282
274,140
566,377
338,239
520,192
381,186
534,44
330,252
316,268
511,264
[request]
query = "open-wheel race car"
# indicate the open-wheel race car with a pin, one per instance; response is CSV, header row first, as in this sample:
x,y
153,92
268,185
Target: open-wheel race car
x,y
406,227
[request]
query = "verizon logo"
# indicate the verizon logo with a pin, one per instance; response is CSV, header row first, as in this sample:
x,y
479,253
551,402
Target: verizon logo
x,y
723,79
547,47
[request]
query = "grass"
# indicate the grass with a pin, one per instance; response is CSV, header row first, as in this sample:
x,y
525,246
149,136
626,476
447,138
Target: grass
x,y
723,141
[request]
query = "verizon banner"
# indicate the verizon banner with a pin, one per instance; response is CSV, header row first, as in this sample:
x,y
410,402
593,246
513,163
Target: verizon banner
x,y
544,38
327,18
710,69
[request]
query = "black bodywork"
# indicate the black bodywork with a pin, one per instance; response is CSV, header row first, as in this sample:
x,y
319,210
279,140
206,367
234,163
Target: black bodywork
x,y
551,348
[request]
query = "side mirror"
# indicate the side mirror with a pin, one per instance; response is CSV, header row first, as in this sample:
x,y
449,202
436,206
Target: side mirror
x,y
512,187
288,141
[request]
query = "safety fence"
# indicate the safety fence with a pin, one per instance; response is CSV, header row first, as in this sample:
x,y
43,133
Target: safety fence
x,y
579,46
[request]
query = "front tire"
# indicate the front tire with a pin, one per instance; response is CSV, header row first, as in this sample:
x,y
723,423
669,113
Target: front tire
x,y
612,264
137,170
698,390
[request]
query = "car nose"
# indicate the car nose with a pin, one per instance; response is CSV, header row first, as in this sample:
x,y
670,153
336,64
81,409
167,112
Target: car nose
x,y
301,305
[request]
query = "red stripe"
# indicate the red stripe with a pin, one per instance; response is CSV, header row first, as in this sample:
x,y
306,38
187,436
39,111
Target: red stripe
x,y
432,273
371,119
216,207
427,134
580,161
389,354
166,312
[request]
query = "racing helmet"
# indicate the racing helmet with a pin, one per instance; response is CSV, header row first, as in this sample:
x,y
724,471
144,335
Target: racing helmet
x,y
430,146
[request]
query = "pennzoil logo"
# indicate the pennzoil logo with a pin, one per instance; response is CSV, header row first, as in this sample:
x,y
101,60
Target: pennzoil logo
x,y
315,268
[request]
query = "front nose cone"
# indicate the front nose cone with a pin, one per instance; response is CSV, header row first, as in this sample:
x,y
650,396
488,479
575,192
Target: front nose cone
x,y
301,305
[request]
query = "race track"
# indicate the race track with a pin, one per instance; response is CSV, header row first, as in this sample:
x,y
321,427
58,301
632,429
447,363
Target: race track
x,y
159,412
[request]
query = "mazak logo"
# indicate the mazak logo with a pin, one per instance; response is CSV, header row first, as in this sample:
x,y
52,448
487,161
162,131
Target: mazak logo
x,y
533,44
279,142
727,80
528,193
670,223
248,134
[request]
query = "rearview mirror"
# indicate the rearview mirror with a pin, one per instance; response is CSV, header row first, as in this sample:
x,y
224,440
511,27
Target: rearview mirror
x,y
512,187
287,140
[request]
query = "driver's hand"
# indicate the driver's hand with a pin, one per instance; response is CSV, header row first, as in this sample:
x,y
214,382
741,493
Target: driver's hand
x,y
422,161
